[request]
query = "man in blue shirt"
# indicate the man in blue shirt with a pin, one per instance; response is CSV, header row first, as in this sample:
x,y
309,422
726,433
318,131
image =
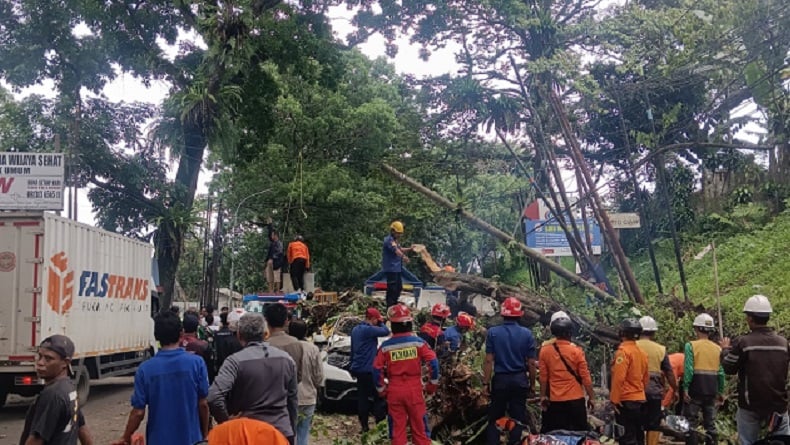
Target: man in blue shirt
x,y
173,385
510,354
392,258
364,344
455,334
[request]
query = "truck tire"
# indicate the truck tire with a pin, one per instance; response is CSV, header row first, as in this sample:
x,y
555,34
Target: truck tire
x,y
82,381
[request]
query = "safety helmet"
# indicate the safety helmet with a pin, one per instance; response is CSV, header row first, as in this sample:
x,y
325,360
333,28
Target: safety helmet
x,y
440,310
704,321
758,305
562,327
648,324
235,315
630,326
465,320
557,315
396,227
399,313
511,307
449,268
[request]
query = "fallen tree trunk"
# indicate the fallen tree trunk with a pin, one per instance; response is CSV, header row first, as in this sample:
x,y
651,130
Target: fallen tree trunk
x,y
502,236
537,307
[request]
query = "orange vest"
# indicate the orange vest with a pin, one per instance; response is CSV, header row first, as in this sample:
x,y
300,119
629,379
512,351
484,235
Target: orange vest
x,y
298,249
677,360
629,374
243,431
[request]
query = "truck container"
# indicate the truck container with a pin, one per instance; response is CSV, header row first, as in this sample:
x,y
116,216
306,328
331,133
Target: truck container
x,y
59,276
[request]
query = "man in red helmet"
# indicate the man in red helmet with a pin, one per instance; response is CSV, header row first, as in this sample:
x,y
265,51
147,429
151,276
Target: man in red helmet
x,y
455,334
433,330
510,355
400,361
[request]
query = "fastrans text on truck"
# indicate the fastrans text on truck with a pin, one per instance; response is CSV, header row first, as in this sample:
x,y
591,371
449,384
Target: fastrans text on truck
x,y
59,276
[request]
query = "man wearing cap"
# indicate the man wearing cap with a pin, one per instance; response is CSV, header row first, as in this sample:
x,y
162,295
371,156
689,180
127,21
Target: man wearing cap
x,y
392,258
760,358
172,386
364,343
54,417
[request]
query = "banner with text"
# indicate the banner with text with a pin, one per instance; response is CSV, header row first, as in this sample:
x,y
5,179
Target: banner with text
x,y
31,181
547,236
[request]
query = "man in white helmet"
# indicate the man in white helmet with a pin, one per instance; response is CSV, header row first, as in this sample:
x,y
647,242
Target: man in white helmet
x,y
760,358
554,317
703,381
660,373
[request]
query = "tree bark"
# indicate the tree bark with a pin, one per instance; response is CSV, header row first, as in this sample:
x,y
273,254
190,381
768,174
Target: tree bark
x,y
499,234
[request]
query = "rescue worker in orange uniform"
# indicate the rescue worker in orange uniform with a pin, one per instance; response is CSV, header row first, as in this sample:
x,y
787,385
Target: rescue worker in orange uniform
x,y
703,381
677,361
433,330
245,431
564,378
400,361
629,380
298,256
660,371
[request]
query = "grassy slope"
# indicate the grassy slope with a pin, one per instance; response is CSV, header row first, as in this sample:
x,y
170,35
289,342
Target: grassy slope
x,y
749,263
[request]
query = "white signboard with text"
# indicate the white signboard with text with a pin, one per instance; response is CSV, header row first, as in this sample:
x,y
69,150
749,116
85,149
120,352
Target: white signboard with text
x,y
31,181
625,220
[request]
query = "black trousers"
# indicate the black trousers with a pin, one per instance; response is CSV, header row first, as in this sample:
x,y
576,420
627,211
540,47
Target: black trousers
x,y
394,288
298,267
568,415
630,418
651,411
508,396
368,400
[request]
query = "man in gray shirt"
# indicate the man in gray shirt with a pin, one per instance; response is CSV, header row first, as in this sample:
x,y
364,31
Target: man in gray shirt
x,y
276,316
258,382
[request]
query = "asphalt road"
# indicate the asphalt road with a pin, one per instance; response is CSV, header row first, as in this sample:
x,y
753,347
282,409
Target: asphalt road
x,y
108,407
105,413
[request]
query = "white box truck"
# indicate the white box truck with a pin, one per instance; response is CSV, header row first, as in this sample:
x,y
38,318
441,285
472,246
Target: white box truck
x,y
59,276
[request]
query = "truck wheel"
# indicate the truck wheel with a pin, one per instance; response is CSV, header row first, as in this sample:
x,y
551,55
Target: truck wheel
x,y
82,380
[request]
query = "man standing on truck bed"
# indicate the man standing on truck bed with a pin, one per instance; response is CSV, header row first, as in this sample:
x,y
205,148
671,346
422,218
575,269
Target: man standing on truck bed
x,y
274,258
54,417
392,258
173,385
299,262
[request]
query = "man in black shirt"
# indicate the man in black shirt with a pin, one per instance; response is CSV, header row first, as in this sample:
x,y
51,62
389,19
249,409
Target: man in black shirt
x,y
225,341
54,417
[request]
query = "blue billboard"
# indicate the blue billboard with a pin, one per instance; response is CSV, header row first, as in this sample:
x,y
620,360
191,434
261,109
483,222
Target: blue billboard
x,y
548,238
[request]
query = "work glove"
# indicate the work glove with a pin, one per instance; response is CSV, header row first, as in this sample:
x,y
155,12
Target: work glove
x,y
431,388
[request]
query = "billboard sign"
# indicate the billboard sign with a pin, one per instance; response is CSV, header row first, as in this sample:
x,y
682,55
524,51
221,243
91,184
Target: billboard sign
x,y
31,181
548,238
625,220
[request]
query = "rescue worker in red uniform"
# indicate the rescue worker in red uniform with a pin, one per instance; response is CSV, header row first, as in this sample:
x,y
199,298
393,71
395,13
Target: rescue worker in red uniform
x,y
400,360
629,380
433,330
661,374
510,355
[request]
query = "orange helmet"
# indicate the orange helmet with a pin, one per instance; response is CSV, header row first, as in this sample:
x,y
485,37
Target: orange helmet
x,y
399,313
511,307
465,320
449,268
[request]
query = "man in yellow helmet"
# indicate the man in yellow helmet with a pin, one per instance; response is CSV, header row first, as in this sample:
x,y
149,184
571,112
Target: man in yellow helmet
x,y
392,258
